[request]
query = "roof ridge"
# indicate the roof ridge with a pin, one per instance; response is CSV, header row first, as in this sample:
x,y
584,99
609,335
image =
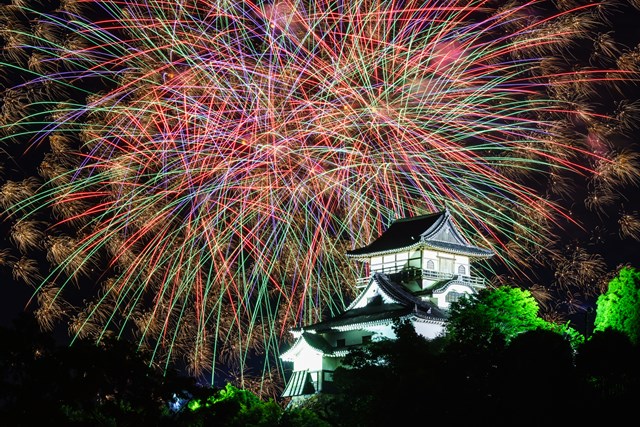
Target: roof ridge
x,y
416,217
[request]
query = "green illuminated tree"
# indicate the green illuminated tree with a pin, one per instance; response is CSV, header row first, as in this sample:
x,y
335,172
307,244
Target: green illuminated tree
x,y
494,315
231,406
619,307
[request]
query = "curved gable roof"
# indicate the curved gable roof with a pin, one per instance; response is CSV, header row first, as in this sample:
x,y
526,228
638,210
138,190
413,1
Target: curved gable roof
x,y
316,342
405,303
402,233
405,297
435,231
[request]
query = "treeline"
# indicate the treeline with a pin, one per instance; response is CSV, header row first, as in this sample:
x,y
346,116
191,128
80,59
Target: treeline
x,y
497,363
112,384
535,379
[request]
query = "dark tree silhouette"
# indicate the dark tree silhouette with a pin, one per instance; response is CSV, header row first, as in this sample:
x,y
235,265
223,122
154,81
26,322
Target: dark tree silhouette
x,y
84,384
608,366
536,379
114,384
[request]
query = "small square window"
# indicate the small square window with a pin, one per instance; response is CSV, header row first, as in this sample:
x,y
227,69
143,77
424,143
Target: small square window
x,y
341,342
366,339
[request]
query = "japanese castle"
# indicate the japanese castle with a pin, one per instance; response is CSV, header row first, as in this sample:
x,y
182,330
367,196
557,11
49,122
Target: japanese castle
x,y
415,269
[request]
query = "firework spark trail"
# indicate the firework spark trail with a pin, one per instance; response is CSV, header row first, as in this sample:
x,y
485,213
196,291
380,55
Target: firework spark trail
x,y
225,155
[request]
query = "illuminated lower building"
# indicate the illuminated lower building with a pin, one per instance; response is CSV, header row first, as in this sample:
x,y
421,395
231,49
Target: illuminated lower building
x,y
415,269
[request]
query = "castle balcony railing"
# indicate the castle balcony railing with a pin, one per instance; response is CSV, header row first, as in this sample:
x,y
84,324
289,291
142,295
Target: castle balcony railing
x,y
476,282
427,275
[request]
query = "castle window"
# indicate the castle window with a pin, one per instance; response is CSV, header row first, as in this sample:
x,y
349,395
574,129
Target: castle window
x,y
431,265
341,342
366,339
454,296
446,265
462,270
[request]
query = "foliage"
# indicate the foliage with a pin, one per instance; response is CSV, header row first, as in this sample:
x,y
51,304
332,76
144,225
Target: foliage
x,y
536,366
530,370
505,311
619,307
483,334
109,384
113,384
490,348
428,379
498,315
374,381
231,406
570,334
608,365
386,352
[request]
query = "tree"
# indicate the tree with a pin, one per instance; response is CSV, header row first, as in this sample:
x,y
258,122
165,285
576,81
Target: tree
x,y
619,307
25,356
113,381
383,379
113,384
480,332
607,363
535,378
231,406
110,383
501,314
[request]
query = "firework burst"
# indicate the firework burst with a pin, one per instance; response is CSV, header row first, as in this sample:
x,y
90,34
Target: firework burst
x,y
209,163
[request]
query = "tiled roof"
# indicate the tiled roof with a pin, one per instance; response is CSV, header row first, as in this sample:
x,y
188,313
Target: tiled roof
x,y
405,303
460,249
313,341
405,297
368,314
443,285
420,231
317,342
402,233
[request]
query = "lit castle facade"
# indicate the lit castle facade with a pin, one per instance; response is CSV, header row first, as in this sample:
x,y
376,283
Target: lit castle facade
x,y
416,268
